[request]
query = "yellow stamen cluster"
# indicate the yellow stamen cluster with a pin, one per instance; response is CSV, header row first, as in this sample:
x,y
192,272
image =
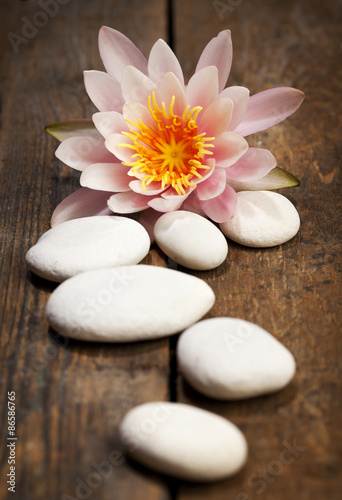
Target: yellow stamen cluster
x,y
171,151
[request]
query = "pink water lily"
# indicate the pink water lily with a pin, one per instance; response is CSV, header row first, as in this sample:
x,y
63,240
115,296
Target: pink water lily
x,y
159,144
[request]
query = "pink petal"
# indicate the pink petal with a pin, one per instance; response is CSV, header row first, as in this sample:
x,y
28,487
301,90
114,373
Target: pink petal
x,y
134,111
136,86
117,51
229,147
268,108
252,166
148,218
109,122
191,204
151,189
171,193
167,205
170,86
213,186
79,152
82,203
240,97
210,162
125,203
106,177
221,208
162,60
216,117
103,90
137,174
202,88
123,153
218,52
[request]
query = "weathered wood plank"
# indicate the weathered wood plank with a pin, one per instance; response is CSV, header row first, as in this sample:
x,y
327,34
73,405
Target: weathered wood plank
x,y
70,396
293,290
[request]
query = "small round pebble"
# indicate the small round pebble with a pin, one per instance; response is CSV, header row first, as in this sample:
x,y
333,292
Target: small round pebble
x,y
88,243
183,441
129,303
262,219
229,358
190,240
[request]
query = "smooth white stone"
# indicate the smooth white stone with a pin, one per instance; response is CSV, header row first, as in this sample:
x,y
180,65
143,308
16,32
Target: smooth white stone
x,y
262,219
125,304
229,358
190,240
183,441
88,243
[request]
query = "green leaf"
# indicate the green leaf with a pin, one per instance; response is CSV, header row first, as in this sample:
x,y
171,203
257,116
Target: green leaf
x,y
73,128
277,178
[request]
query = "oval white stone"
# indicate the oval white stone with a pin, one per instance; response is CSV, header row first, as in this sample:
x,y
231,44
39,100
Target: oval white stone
x,y
125,304
88,243
190,240
229,358
262,219
183,441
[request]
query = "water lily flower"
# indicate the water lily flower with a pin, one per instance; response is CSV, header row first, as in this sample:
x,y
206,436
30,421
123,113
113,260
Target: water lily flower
x,y
158,145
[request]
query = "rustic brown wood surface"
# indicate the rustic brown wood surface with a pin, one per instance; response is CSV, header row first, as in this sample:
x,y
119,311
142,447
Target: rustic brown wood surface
x,y
70,396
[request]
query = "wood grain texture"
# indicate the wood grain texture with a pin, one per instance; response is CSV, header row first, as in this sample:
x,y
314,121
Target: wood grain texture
x,y
71,396
293,291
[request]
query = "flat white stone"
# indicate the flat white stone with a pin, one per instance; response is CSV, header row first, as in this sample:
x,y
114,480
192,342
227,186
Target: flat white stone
x,y
129,303
229,358
183,441
190,240
262,219
88,243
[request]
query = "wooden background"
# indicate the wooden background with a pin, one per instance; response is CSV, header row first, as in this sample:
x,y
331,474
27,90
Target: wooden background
x,y
71,396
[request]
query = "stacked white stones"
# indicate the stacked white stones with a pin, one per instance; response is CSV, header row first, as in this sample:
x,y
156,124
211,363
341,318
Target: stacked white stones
x,y
223,358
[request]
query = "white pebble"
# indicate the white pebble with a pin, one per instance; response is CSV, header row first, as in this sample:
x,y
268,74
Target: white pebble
x,y
229,358
262,219
190,240
88,243
183,441
129,303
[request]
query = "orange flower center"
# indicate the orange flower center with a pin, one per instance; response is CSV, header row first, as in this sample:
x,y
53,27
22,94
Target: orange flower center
x,y
171,151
